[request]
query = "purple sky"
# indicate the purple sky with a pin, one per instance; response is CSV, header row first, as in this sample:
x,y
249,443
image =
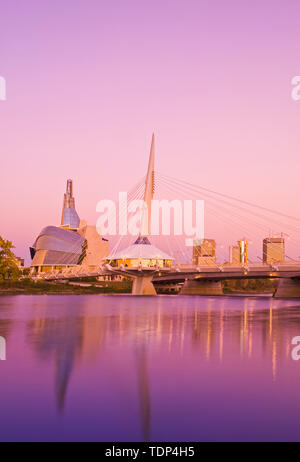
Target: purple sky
x,y
88,81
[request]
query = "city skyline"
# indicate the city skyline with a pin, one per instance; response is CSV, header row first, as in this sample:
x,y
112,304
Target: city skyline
x,y
221,109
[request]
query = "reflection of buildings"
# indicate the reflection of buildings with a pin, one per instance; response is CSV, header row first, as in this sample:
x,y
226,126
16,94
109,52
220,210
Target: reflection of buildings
x,y
204,252
59,338
273,250
69,340
72,341
144,392
5,328
200,334
72,243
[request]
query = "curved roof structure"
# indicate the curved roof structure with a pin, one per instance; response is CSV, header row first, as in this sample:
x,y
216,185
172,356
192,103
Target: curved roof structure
x,y
54,238
140,251
55,246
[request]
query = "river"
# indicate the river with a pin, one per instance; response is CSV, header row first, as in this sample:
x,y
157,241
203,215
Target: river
x,y
165,368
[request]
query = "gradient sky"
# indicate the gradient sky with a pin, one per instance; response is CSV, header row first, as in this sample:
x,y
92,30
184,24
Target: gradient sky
x,y
89,80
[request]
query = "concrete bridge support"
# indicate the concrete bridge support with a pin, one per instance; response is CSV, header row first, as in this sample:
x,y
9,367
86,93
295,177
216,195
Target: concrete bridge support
x,y
201,287
287,288
142,285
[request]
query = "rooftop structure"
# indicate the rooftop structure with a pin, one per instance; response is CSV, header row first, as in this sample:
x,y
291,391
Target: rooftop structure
x,y
55,246
141,254
69,216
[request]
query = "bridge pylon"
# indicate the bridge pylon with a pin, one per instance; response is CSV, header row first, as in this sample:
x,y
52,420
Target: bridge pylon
x,y
201,287
142,285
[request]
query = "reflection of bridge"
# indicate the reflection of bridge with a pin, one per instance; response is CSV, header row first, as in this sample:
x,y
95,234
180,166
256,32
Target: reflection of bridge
x,y
146,264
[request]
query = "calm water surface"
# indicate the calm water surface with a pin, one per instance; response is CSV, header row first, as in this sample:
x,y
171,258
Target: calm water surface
x,y
121,368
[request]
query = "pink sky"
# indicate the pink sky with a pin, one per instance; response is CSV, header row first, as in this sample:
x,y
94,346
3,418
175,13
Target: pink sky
x,y
89,80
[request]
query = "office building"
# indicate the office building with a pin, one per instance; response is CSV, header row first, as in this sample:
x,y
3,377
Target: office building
x,y
243,251
273,250
204,252
238,254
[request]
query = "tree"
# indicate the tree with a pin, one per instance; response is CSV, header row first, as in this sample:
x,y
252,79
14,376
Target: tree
x,y
26,271
8,265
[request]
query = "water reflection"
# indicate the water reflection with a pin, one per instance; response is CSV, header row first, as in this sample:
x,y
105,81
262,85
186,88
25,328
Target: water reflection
x,y
70,339
110,333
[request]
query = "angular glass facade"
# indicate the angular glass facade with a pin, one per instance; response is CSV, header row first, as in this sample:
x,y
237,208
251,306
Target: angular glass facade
x,y
71,218
57,246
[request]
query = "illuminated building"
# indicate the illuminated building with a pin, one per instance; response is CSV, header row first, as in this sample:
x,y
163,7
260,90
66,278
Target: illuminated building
x,y
273,250
141,253
204,252
56,248
243,251
72,243
238,254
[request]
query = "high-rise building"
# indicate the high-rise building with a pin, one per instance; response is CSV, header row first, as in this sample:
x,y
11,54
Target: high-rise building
x,y
273,250
243,251
238,254
204,252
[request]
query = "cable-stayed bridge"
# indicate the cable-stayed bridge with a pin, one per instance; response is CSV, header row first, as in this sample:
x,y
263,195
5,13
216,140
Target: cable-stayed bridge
x,y
165,258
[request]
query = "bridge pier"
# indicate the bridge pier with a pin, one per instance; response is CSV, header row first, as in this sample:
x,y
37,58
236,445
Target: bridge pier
x,y
287,288
201,287
142,285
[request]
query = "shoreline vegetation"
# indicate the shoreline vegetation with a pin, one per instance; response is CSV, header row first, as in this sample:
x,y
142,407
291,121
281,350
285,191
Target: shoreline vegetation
x,y
40,287
249,286
92,286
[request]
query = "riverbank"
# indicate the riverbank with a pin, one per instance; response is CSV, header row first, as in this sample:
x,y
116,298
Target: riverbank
x,y
248,292
39,287
92,286
249,286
